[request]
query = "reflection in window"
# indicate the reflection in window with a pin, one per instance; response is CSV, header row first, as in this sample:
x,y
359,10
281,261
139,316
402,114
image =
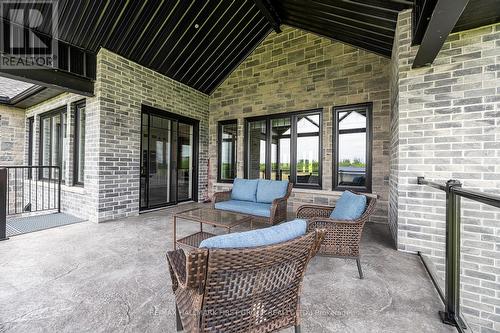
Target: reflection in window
x,y
352,164
257,138
293,142
280,148
308,149
185,162
227,137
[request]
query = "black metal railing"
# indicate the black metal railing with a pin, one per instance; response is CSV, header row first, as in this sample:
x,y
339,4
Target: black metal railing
x,y
28,189
451,294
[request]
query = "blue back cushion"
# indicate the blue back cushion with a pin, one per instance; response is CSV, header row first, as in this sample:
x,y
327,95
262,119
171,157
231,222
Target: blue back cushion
x,y
349,206
268,190
273,235
244,189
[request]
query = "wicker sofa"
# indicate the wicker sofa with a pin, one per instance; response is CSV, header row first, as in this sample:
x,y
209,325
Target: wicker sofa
x,y
271,212
241,290
342,238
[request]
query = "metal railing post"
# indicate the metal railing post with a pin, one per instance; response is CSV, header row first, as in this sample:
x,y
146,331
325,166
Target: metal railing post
x,y
59,191
3,204
452,280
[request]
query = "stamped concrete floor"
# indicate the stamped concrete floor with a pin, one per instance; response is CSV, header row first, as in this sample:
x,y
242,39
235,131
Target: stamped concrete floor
x,y
112,277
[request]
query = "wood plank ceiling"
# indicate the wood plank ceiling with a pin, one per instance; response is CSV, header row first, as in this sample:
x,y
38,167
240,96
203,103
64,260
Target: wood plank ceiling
x,y
200,42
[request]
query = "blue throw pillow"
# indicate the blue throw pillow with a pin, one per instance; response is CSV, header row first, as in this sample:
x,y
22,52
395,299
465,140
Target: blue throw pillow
x,y
273,235
244,189
268,190
349,206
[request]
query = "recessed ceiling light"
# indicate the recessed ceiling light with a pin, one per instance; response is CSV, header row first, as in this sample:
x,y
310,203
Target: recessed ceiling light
x,y
196,26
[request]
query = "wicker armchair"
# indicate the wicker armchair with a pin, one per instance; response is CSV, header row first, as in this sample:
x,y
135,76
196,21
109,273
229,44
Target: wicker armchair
x,y
278,207
342,238
241,290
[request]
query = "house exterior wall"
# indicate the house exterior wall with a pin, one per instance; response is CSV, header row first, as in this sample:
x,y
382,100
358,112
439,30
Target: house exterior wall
x,y
294,71
447,124
12,131
122,86
112,140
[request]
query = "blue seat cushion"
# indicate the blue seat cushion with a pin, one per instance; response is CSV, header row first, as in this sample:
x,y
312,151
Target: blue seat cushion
x,y
244,189
268,190
245,207
261,237
349,206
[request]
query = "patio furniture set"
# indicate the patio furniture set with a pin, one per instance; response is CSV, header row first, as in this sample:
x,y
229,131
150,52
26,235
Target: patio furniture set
x,y
251,281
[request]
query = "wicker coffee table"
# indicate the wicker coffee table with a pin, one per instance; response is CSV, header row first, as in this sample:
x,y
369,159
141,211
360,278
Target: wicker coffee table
x,y
208,216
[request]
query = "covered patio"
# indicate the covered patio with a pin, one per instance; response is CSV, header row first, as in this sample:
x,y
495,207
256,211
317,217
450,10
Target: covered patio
x,y
143,109
113,277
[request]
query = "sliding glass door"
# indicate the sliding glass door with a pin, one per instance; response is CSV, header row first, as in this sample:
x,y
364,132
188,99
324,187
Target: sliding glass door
x,y
168,163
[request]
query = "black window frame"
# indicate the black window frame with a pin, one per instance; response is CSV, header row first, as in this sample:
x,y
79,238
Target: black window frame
x,y
31,122
220,125
76,151
368,108
293,145
61,111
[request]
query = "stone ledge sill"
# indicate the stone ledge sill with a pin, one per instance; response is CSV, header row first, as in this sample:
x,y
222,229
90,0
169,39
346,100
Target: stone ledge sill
x,y
73,189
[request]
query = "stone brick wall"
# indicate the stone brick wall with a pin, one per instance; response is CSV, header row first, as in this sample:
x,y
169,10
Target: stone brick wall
x,y
449,127
122,86
12,148
296,70
12,131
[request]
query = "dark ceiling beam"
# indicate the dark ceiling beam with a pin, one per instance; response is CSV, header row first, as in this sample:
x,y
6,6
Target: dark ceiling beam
x,y
443,19
422,12
267,9
51,78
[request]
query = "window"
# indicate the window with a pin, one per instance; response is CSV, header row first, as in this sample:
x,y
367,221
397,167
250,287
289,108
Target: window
x,y
352,142
79,157
52,140
227,140
285,147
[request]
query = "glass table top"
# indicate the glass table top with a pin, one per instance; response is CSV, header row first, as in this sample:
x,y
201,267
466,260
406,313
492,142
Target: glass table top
x,y
215,217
